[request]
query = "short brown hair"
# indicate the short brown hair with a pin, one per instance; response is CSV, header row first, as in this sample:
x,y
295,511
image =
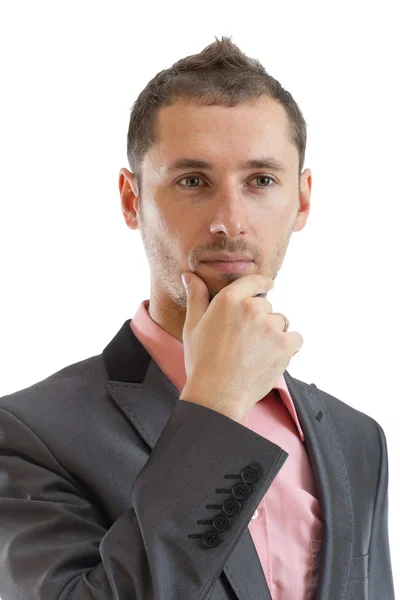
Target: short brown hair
x,y
219,75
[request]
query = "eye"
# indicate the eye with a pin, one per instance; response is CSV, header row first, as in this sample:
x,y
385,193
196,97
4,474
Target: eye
x,y
264,177
195,176
189,177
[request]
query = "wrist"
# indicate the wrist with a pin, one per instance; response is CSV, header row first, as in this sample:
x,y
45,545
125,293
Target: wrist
x,y
187,396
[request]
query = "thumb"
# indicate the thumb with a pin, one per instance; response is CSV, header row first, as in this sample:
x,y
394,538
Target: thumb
x,y
198,300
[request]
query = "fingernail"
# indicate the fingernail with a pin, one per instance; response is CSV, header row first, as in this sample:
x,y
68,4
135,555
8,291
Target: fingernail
x,y
185,279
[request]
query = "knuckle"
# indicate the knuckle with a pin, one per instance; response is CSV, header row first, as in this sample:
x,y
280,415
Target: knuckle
x,y
227,297
269,325
281,340
268,305
285,341
250,306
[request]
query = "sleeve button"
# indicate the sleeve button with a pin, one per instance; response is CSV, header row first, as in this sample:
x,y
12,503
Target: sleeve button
x,y
211,539
241,490
250,474
221,522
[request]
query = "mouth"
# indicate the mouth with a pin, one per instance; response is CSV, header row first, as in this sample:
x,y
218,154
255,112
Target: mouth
x,y
228,266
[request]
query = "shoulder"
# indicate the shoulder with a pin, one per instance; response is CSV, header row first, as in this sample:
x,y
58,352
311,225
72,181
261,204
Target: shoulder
x,y
353,427
59,393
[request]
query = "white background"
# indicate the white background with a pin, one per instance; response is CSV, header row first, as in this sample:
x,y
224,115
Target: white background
x,y
71,270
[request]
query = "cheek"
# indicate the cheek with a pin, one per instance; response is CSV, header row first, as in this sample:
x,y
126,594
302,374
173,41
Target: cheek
x,y
155,218
182,236
281,209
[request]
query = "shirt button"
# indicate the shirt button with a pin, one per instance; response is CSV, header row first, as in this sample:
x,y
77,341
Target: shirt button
x,y
255,515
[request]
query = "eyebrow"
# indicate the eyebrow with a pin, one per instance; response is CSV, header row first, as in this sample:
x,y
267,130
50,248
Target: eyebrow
x,y
254,163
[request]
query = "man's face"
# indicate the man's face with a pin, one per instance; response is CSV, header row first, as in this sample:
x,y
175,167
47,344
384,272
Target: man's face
x,y
187,213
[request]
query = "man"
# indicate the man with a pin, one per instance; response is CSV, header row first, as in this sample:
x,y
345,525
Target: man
x,y
184,462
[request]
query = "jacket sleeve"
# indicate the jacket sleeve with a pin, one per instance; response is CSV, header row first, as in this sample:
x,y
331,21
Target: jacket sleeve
x,y
380,578
54,540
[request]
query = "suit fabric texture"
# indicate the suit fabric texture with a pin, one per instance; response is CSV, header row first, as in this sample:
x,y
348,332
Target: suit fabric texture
x,y
104,474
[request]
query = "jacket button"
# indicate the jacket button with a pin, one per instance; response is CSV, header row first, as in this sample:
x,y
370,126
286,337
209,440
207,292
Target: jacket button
x,y
211,539
221,522
250,474
231,507
241,490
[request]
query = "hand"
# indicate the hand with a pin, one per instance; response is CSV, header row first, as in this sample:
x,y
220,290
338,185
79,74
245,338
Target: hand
x,y
235,348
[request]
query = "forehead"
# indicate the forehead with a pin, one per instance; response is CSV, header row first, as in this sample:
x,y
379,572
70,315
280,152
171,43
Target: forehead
x,y
221,135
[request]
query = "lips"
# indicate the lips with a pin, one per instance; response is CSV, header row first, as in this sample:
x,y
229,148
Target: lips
x,y
227,260
222,256
229,266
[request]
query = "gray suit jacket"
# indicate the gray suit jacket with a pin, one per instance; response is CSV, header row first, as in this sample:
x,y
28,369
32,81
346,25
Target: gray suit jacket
x,y
105,473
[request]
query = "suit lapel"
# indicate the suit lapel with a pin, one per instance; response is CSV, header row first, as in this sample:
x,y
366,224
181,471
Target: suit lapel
x,y
333,488
147,400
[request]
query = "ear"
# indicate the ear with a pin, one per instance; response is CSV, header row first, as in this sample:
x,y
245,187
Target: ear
x,y
129,197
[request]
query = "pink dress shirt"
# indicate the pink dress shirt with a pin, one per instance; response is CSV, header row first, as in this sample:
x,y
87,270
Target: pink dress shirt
x,y
286,528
